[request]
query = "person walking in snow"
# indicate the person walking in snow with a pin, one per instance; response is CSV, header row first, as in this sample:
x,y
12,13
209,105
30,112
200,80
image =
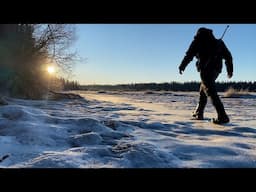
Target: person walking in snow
x,y
209,52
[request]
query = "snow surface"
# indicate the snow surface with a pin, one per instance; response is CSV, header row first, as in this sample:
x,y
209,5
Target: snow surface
x,y
126,130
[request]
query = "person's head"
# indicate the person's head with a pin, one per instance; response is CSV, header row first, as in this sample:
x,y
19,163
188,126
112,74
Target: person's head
x,y
204,33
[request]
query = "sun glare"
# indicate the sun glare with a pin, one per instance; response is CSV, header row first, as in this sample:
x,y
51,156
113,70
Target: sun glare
x,y
50,69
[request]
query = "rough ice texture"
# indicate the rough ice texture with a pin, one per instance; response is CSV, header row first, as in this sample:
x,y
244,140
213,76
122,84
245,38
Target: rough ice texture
x,y
127,130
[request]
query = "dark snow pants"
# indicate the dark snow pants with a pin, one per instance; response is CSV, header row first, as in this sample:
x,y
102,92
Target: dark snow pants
x,y
208,88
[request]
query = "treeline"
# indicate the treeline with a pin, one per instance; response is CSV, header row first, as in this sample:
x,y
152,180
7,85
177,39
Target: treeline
x,y
172,86
69,85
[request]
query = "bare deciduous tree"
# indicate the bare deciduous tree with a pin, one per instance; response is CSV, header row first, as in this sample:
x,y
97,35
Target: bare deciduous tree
x,y
26,49
55,39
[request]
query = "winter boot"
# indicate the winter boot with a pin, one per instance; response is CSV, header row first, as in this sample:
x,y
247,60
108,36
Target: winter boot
x,y
221,120
197,116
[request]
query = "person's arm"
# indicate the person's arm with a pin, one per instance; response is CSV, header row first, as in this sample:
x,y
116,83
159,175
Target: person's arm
x,y
191,52
228,60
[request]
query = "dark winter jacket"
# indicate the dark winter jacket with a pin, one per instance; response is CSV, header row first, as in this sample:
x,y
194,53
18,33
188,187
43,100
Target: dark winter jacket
x,y
209,53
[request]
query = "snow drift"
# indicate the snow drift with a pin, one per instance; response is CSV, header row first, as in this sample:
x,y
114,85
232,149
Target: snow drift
x,y
127,130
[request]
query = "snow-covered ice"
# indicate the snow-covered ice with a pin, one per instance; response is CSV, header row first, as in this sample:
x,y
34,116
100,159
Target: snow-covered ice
x,y
126,130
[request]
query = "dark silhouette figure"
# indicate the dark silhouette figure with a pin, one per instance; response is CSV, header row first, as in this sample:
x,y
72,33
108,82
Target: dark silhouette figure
x,y
209,52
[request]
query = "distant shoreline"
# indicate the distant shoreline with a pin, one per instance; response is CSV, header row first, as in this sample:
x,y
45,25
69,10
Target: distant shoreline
x,y
172,86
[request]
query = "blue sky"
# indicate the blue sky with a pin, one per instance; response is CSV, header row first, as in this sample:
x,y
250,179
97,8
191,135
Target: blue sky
x,y
142,53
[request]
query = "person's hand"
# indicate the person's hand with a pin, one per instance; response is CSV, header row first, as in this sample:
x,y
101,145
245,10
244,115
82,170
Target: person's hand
x,y
230,75
181,70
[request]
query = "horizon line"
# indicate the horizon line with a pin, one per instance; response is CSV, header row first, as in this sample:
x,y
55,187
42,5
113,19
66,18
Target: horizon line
x,y
96,84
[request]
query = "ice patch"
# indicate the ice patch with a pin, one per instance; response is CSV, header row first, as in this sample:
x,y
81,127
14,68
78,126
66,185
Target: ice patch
x,y
125,129
85,139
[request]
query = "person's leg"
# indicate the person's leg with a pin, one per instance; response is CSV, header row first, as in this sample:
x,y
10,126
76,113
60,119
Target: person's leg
x,y
209,82
199,111
222,116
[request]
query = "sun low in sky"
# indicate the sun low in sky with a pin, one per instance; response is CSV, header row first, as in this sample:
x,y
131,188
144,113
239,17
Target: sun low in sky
x,y
51,69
